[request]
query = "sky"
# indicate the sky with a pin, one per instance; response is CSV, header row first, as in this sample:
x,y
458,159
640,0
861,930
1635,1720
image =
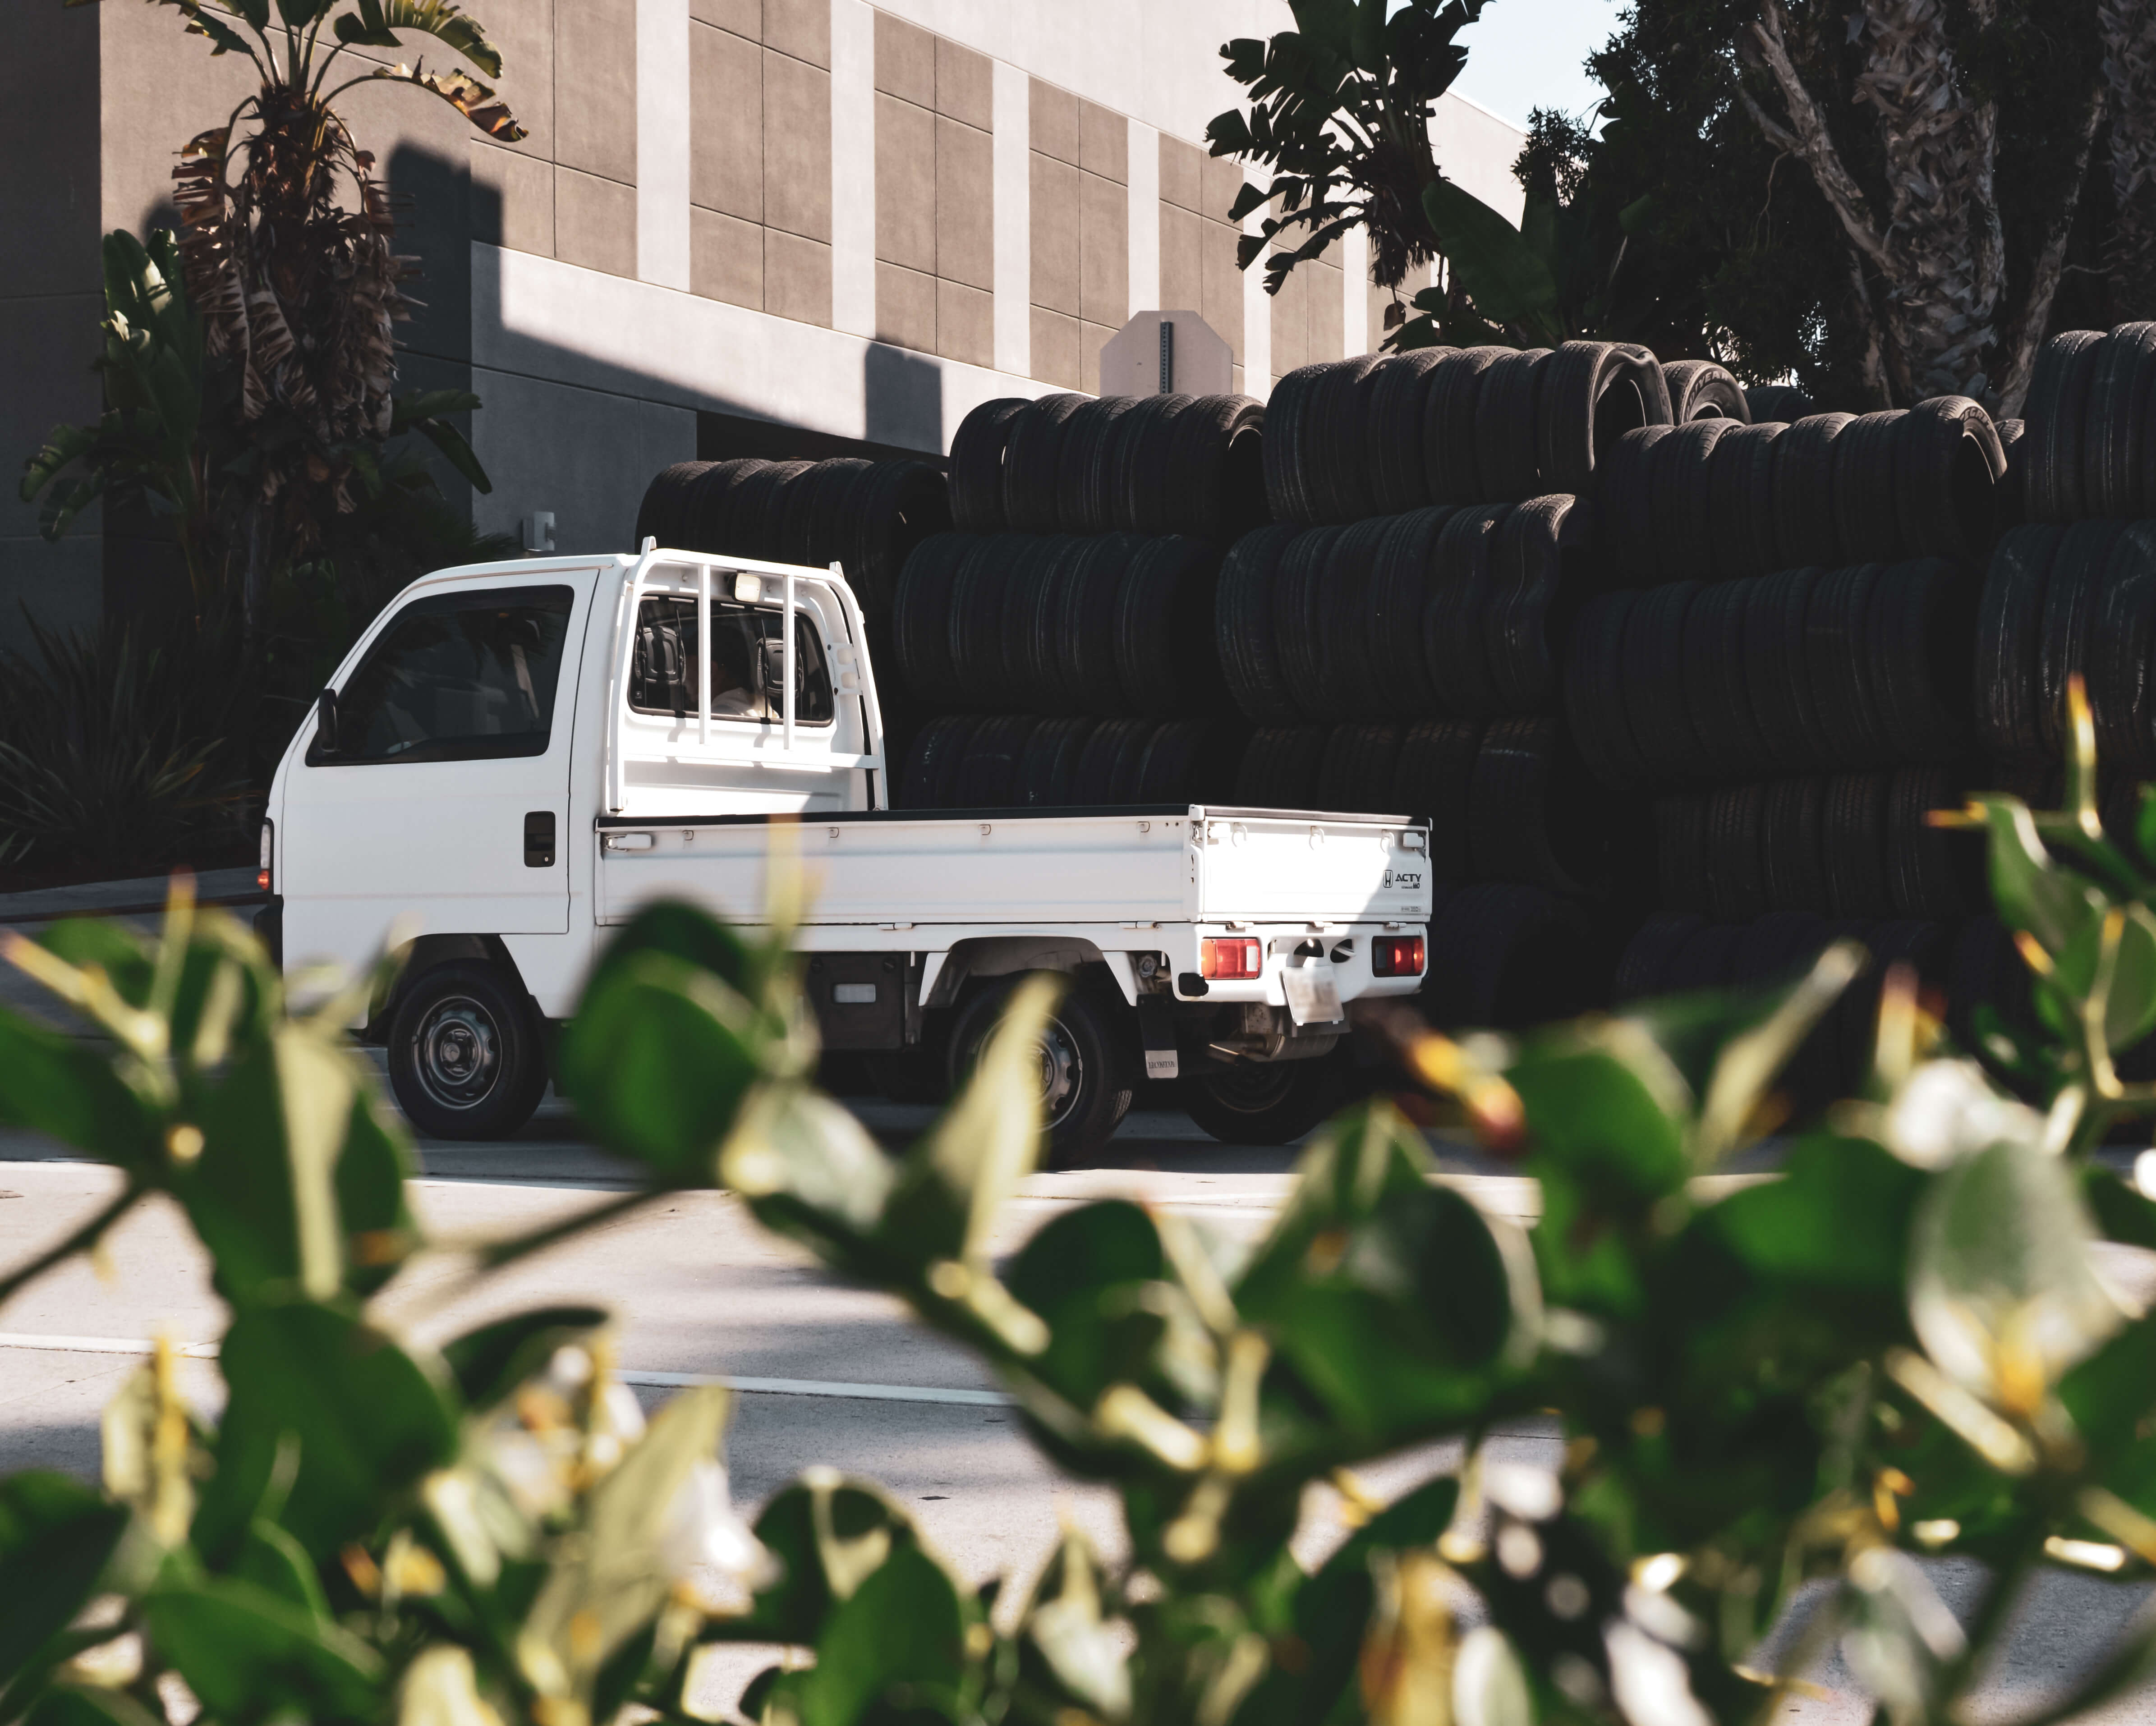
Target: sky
x,y
1523,54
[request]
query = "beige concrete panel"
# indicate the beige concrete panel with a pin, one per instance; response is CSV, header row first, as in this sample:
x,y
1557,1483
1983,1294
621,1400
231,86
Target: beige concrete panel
x,y
512,199
796,147
1327,320
1220,180
965,324
1182,280
1053,115
905,60
1220,293
595,112
1053,199
797,277
965,205
525,34
156,88
1291,321
799,28
1104,242
1054,340
1091,339
906,308
965,84
1182,173
594,222
743,18
906,184
725,123
1235,384
1104,143
725,259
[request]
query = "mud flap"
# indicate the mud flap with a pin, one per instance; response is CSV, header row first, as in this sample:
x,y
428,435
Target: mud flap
x,y
1157,1028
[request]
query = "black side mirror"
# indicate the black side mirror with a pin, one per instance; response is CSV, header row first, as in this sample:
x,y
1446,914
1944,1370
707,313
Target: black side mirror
x,y
325,721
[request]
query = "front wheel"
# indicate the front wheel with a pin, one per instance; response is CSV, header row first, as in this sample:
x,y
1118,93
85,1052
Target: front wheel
x,y
1085,1081
1261,1102
467,1059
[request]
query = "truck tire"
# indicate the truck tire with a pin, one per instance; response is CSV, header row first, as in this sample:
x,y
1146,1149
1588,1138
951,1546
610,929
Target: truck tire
x,y
467,1052
1260,1102
1085,1080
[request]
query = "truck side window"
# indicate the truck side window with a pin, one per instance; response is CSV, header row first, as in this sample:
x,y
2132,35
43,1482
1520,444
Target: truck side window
x,y
455,676
747,644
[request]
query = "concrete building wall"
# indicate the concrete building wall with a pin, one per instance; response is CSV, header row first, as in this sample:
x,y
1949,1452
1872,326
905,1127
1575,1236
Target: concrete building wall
x,y
852,219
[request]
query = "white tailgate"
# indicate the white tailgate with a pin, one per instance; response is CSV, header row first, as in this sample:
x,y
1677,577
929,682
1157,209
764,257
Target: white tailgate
x,y
1009,868
1257,867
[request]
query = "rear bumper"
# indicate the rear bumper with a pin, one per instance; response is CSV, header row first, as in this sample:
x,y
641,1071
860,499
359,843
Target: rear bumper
x,y
1342,951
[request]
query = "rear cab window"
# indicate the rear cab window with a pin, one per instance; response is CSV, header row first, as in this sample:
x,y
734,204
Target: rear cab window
x,y
459,676
747,648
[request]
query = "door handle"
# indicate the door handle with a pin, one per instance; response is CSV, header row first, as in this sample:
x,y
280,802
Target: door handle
x,y
539,839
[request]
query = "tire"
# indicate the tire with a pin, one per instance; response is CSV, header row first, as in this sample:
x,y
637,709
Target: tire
x,y
1452,633
1867,525
661,514
1393,449
467,1052
2119,660
756,509
1707,960
1804,491
1715,695
1092,681
1781,402
1854,845
2013,485
2009,633
1594,692
1288,412
1507,464
1921,644
1654,684
1030,613
1680,824
987,775
1736,861
1948,467
1279,768
705,512
1108,765
1432,781
1740,502
929,777
1930,872
1792,827
1837,635
1644,965
1189,761
1216,488
2070,598
2055,485
1536,572
1088,1087
1261,1102
984,583
1345,674
1244,637
1164,640
2112,429
1047,772
817,503
1033,457
1355,775
1592,394
920,616
977,450
1298,597
1336,476
1401,577
1533,814
1089,441
1679,499
1700,389
890,511
1136,478
1509,956
1450,429
1775,673
1624,500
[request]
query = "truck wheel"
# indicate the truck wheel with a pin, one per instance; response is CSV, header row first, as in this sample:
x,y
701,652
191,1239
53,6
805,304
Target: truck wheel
x,y
1261,1102
466,1056
1085,1080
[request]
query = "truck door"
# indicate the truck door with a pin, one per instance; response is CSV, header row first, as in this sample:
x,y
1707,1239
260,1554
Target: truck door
x,y
443,792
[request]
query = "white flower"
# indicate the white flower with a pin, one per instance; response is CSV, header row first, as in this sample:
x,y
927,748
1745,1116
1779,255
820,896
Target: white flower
x,y
707,1547
1650,1680
1947,1111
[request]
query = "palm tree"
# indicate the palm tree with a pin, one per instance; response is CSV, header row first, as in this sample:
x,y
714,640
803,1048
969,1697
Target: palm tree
x,y
287,245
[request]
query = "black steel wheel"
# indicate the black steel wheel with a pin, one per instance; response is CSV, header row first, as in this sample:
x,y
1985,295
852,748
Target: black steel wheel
x,y
467,1056
1084,1078
1260,1102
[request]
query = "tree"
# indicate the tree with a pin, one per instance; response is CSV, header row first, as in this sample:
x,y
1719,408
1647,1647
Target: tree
x,y
287,245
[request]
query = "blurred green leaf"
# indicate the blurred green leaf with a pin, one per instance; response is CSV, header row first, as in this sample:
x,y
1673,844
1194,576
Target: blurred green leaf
x,y
55,1085
56,1536
249,1654
900,1638
808,1167
1065,1627
2049,902
829,1533
89,1705
1838,1217
1605,1102
1509,281
1086,1272
490,1362
276,1562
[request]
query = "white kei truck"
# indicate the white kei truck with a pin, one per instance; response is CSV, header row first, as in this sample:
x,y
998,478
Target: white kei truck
x,y
519,755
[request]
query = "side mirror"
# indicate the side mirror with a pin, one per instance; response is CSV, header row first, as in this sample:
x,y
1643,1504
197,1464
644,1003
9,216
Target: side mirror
x,y
325,721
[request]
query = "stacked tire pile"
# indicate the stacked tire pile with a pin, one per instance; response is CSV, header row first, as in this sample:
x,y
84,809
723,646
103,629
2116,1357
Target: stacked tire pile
x,y
1398,634
1056,648
865,516
1784,671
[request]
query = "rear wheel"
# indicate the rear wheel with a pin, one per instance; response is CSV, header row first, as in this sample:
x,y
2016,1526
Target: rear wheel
x,y
1084,1079
1262,1102
467,1057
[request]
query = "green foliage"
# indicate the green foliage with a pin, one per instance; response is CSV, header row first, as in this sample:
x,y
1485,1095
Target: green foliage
x,y
1897,1345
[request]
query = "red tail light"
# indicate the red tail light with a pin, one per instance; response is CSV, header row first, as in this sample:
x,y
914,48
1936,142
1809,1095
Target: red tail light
x,y
1397,956
268,852
1229,956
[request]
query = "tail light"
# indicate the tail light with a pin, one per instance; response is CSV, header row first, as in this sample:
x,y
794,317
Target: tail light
x,y
268,851
1229,956
1397,956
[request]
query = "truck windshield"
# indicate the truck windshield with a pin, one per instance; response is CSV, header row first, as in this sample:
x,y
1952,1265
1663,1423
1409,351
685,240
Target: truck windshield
x,y
747,680
456,677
